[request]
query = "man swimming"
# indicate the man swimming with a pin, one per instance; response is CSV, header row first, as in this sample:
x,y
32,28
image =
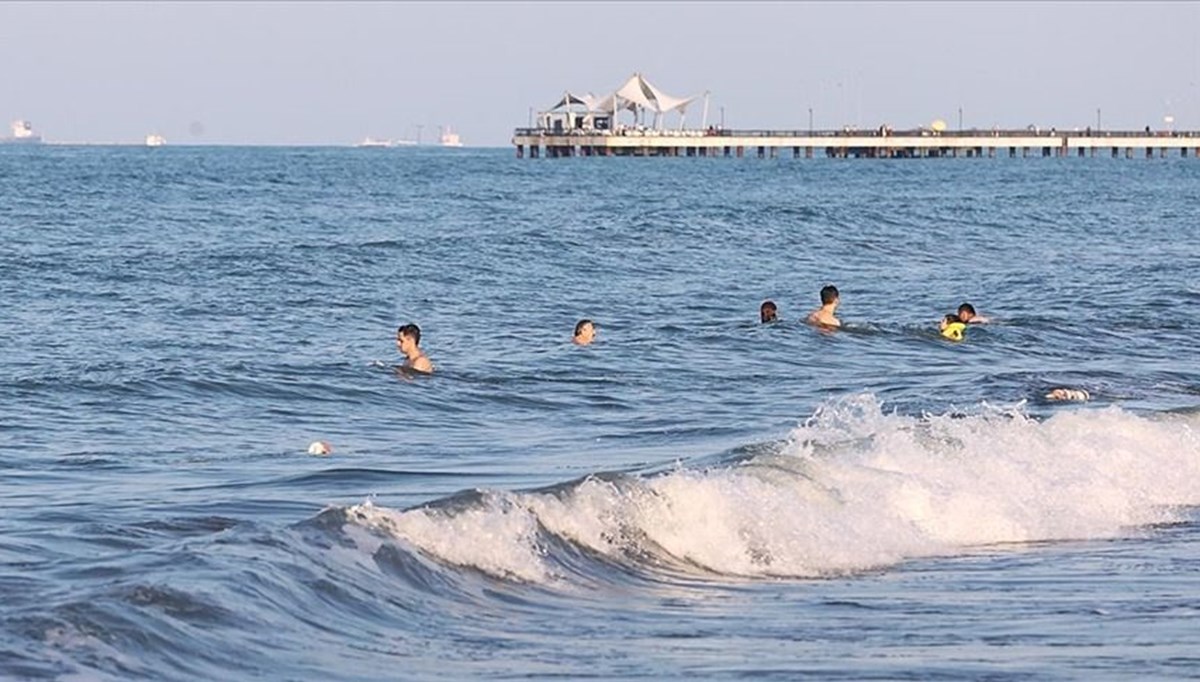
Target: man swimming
x,y
408,341
585,333
824,316
768,312
967,315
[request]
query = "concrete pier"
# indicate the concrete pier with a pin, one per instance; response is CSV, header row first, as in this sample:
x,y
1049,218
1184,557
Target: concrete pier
x,y
850,143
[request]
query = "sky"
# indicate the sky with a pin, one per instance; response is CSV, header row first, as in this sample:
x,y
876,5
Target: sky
x,y
316,73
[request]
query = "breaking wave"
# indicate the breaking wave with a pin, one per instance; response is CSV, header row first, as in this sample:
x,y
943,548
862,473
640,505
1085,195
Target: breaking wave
x,y
854,488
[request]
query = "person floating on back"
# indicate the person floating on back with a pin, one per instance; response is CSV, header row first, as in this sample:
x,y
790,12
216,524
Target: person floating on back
x,y
824,316
1074,394
768,312
408,340
952,327
585,333
967,315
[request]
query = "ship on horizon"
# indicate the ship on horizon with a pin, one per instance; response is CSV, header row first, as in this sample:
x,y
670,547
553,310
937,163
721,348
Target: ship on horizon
x,y
376,142
450,138
22,133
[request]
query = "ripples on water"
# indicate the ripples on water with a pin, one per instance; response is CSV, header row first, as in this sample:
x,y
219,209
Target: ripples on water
x,y
694,496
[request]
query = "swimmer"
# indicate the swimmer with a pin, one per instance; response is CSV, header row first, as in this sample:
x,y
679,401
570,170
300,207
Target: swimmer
x,y
1075,394
952,327
408,341
585,333
768,312
824,316
967,315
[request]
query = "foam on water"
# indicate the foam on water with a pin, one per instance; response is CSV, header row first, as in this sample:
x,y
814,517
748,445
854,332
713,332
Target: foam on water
x,y
854,488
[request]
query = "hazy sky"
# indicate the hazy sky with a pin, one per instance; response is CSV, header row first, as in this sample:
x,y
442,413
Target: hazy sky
x,y
333,73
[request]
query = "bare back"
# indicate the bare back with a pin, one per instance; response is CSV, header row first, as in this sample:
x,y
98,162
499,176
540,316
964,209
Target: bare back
x,y
824,318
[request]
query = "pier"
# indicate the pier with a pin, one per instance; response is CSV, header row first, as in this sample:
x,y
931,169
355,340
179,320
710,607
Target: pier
x,y
880,143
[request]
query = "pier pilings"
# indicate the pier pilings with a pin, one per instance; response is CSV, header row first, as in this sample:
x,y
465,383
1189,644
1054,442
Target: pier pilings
x,y
765,144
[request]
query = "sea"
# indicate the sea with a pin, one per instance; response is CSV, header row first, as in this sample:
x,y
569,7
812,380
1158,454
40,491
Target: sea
x,y
696,495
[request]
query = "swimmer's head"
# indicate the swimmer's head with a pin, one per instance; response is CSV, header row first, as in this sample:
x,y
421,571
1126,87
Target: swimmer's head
x,y
585,332
829,294
768,311
408,334
966,311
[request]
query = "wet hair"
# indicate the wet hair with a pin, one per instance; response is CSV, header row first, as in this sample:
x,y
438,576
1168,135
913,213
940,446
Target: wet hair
x,y
581,324
767,311
951,318
966,308
410,330
829,294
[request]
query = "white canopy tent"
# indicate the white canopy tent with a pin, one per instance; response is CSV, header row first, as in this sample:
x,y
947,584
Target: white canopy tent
x,y
636,95
570,111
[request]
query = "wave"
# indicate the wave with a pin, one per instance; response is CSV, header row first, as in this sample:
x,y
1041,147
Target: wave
x,y
854,488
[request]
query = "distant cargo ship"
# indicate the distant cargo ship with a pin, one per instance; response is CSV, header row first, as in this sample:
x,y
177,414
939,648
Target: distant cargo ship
x,y
375,142
372,142
22,133
155,140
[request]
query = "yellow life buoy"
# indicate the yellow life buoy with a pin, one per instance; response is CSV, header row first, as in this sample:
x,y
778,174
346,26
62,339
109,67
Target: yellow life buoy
x,y
953,330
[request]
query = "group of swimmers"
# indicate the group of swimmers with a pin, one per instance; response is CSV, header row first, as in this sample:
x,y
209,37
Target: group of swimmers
x,y
408,342
408,337
953,326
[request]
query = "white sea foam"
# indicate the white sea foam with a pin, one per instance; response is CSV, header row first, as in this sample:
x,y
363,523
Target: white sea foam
x,y
498,536
854,488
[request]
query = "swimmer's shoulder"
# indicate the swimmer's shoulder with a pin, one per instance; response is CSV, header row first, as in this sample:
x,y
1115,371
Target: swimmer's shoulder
x,y
815,318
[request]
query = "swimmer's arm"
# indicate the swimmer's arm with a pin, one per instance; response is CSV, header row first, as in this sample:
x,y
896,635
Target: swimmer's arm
x,y
980,319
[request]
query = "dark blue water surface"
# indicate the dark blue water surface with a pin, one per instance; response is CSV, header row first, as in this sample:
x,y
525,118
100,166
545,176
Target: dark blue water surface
x,y
695,495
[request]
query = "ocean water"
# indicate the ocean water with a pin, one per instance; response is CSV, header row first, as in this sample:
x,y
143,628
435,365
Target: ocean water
x,y
695,496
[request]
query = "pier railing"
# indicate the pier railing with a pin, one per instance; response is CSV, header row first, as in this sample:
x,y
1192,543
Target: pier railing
x,y
833,134
881,142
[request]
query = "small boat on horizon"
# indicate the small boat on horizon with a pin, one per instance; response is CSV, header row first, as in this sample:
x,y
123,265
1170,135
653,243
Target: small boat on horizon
x,y
155,140
450,138
22,133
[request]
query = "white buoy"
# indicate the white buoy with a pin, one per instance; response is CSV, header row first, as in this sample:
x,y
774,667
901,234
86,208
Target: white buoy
x,y
319,447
